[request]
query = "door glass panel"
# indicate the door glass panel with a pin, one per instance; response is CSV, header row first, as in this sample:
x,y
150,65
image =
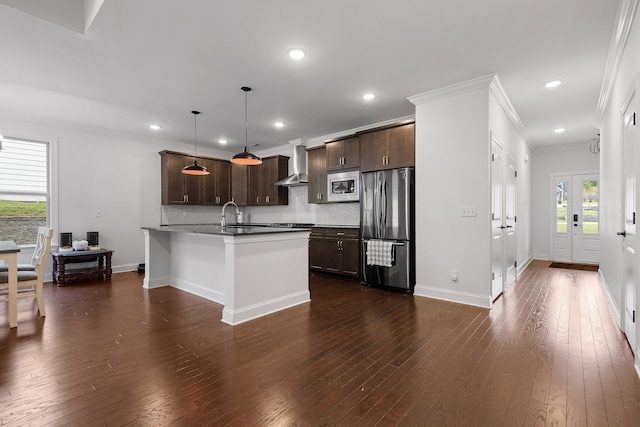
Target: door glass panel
x,y
561,207
590,205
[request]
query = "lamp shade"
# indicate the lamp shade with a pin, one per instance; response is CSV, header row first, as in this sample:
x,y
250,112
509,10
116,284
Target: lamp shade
x,y
246,158
195,168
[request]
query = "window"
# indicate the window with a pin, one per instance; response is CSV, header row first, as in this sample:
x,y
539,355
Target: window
x,y
24,189
561,207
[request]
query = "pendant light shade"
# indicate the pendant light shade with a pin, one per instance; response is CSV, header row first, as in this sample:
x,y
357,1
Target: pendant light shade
x,y
246,158
195,168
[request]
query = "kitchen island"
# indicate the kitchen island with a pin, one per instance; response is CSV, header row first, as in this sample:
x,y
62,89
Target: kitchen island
x,y
251,270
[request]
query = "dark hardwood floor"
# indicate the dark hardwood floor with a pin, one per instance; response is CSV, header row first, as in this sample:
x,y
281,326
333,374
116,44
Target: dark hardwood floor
x,y
548,353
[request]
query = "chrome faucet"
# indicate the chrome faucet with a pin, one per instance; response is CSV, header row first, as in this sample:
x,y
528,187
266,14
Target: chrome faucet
x,y
223,222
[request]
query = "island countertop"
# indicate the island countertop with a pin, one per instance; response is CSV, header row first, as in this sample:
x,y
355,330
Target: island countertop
x,y
229,230
251,270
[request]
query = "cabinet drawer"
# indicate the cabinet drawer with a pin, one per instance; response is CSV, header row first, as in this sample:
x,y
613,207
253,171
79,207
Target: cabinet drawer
x,y
342,233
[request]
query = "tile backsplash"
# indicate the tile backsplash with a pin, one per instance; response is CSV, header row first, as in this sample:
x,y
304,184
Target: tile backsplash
x,y
298,210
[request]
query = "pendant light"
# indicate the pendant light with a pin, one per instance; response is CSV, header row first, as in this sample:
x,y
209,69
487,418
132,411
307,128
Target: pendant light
x,y
195,168
246,158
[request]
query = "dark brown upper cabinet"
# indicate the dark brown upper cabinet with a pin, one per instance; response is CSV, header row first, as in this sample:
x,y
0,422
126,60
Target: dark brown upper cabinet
x,y
387,148
317,172
343,154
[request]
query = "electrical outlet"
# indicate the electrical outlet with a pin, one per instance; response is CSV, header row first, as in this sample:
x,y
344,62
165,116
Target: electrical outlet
x,y
98,213
468,211
454,275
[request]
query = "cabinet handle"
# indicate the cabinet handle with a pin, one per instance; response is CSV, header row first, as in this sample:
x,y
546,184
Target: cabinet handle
x,y
258,199
268,199
217,200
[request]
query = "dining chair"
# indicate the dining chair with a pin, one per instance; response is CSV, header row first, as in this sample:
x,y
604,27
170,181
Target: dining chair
x,y
40,241
30,282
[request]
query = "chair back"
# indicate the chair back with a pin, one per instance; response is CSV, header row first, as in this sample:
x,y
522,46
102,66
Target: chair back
x,y
42,250
40,242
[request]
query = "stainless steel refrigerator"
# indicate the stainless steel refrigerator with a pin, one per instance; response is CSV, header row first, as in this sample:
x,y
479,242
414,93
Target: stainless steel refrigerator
x,y
387,219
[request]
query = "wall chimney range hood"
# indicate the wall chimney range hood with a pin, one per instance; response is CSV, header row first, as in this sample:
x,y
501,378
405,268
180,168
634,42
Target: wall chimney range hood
x,y
299,176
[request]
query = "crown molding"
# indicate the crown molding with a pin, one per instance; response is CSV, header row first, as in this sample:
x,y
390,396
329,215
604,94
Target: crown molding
x,y
624,20
505,103
319,140
451,90
492,81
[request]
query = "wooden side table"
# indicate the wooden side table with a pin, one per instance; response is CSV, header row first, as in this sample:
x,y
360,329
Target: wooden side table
x,y
60,260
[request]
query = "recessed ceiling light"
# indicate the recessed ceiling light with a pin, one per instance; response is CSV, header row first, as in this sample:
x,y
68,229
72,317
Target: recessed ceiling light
x,y
296,53
155,127
278,124
559,130
222,141
368,96
553,83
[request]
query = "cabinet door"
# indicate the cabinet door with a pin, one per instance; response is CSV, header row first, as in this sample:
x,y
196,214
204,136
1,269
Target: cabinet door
x,y
208,190
178,188
343,154
192,184
372,151
317,171
401,146
240,184
335,155
172,179
275,169
316,251
351,153
332,254
223,182
350,257
255,190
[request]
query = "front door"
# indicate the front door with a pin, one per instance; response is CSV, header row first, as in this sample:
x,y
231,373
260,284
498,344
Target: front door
x,y
630,165
576,218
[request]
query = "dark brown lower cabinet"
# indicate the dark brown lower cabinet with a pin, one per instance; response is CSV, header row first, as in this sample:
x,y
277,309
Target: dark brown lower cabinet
x,y
335,250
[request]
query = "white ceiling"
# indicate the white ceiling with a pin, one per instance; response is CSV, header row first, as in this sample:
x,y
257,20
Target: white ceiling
x,y
153,61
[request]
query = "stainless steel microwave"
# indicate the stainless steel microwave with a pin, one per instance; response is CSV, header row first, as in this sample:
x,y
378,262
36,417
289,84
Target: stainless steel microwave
x,y
343,186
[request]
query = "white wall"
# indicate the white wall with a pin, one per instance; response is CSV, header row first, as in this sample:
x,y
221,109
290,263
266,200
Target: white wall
x,y
453,130
611,179
114,174
502,127
554,160
452,171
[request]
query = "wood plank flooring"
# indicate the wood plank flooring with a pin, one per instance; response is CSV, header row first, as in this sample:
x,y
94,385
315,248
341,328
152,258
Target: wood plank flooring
x,y
548,353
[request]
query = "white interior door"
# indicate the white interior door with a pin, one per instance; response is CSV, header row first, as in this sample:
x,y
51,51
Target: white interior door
x,y
503,219
576,218
497,230
630,164
510,205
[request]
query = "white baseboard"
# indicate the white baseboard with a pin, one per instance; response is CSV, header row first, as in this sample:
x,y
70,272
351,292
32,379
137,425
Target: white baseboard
x,y
466,298
235,317
543,257
209,294
612,302
524,265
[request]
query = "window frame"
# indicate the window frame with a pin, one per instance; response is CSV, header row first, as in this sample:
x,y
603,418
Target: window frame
x,y
52,178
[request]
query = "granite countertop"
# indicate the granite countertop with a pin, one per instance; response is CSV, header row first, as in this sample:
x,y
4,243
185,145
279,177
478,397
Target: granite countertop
x,y
348,227
229,230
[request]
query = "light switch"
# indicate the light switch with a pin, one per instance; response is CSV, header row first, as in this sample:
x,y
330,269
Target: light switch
x,y
468,211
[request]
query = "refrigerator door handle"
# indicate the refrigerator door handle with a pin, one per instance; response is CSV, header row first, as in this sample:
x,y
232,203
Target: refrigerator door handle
x,y
383,221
